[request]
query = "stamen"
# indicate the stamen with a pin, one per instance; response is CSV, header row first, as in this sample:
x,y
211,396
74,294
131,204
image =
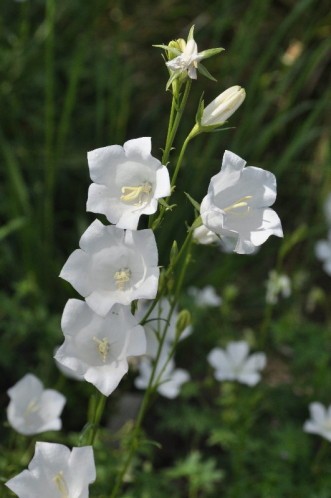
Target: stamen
x,y
61,485
121,277
241,203
139,193
103,347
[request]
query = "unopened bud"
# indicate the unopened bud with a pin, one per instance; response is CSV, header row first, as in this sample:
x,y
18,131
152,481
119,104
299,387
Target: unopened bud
x,y
173,252
179,44
221,108
183,321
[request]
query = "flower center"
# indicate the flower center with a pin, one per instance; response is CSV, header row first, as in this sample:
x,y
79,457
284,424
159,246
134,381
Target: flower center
x,y
140,193
32,407
103,347
61,485
122,277
240,206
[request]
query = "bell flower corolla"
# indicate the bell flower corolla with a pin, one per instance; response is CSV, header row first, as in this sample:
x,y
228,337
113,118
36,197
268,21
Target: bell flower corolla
x,y
128,181
237,204
234,363
97,348
33,409
56,472
320,420
113,266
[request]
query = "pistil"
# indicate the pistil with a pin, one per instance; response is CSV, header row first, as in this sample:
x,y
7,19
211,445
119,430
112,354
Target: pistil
x,y
139,193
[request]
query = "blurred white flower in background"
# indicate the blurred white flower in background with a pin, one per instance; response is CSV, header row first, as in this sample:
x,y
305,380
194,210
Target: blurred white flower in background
x,y
113,266
205,297
156,323
202,235
235,363
56,472
237,204
320,420
277,285
323,253
170,381
33,409
97,348
128,181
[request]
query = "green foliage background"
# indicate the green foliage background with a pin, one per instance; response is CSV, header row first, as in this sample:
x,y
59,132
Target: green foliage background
x,y
75,76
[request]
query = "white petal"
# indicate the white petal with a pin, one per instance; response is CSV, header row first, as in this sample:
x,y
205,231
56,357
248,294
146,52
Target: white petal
x,y
260,184
162,188
102,301
94,238
318,412
107,378
323,250
98,201
103,159
271,225
237,351
81,463
72,272
138,148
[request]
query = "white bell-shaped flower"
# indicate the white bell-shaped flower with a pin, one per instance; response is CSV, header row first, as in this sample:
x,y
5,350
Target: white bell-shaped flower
x,y
33,409
235,363
56,472
237,204
97,348
113,266
320,420
128,181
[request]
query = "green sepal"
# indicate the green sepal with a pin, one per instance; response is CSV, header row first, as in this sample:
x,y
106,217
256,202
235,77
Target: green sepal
x,y
173,50
194,203
204,71
201,108
168,207
197,223
210,52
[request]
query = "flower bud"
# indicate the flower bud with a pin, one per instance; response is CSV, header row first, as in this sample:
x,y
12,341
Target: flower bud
x,y
179,44
221,108
183,321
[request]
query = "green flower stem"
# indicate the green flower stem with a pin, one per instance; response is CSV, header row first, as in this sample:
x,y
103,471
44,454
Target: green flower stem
x,y
151,388
171,136
95,410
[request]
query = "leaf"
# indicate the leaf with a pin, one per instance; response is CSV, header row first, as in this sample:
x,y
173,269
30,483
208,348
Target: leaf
x,y
210,52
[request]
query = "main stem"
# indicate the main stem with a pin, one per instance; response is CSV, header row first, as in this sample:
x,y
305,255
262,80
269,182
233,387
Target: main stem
x,y
185,251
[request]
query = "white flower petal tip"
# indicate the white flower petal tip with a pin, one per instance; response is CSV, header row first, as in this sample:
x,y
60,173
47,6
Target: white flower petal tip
x,y
97,348
235,364
33,409
320,421
113,266
221,108
128,181
237,204
56,471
